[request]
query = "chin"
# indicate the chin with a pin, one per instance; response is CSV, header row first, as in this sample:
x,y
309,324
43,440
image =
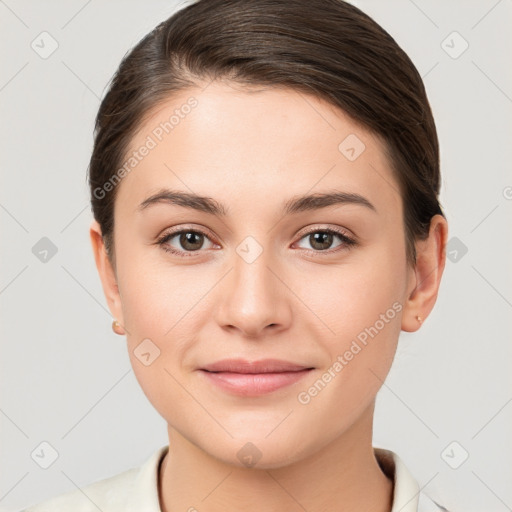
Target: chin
x,y
257,452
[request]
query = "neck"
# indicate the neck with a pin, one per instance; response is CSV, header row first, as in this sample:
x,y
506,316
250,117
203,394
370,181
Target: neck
x,y
343,476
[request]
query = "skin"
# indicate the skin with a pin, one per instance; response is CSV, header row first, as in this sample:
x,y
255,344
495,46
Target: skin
x,y
252,151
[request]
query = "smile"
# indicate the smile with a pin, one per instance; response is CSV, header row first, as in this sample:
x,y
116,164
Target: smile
x,y
254,384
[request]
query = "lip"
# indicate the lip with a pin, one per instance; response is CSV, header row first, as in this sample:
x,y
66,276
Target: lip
x,y
253,378
261,366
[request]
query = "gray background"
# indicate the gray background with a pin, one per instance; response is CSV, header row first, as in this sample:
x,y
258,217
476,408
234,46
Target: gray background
x,y
66,378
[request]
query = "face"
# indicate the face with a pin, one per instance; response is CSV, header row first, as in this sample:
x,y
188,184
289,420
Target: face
x,y
256,273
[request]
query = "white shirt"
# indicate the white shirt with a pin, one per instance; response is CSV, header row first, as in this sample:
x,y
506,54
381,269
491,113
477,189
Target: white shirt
x,y
136,490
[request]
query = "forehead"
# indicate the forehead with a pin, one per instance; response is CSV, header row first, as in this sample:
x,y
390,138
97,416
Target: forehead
x,y
259,145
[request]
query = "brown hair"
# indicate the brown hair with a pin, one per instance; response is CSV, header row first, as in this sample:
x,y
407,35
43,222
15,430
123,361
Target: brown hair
x,y
327,48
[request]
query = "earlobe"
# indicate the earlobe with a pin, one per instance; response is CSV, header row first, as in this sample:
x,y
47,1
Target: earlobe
x,y
430,263
106,273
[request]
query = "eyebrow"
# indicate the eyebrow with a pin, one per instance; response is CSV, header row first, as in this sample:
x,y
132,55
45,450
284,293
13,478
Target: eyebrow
x,y
294,205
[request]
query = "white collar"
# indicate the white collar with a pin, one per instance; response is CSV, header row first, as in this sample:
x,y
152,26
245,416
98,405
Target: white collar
x,y
406,490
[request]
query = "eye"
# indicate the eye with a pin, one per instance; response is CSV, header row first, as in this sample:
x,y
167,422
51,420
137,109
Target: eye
x,y
321,239
188,240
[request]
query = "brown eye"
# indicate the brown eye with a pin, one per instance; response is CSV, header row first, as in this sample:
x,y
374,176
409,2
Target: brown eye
x,y
191,240
184,241
322,239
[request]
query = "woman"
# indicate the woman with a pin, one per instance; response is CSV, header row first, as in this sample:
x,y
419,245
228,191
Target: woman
x,y
264,183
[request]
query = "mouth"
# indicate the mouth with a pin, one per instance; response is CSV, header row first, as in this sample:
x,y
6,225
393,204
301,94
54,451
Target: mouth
x,y
262,366
246,378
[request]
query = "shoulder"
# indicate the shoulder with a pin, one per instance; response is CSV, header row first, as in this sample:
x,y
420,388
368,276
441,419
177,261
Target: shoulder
x,y
407,495
427,504
107,495
133,487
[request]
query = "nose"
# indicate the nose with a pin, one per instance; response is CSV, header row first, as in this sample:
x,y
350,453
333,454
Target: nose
x,y
254,300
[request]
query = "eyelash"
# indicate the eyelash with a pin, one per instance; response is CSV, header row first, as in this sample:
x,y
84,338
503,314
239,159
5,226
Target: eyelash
x,y
347,241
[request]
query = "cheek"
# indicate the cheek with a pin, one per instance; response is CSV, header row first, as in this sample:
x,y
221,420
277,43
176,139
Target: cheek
x,y
352,297
155,310
163,305
152,293
365,315
364,310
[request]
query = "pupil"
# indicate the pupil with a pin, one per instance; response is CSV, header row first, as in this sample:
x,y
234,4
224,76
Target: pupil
x,y
187,241
321,239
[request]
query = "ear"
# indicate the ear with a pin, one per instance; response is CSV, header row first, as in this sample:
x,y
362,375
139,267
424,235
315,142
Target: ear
x,y
106,272
425,277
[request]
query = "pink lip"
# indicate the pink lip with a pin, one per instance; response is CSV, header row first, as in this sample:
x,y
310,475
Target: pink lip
x,y
246,378
245,366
